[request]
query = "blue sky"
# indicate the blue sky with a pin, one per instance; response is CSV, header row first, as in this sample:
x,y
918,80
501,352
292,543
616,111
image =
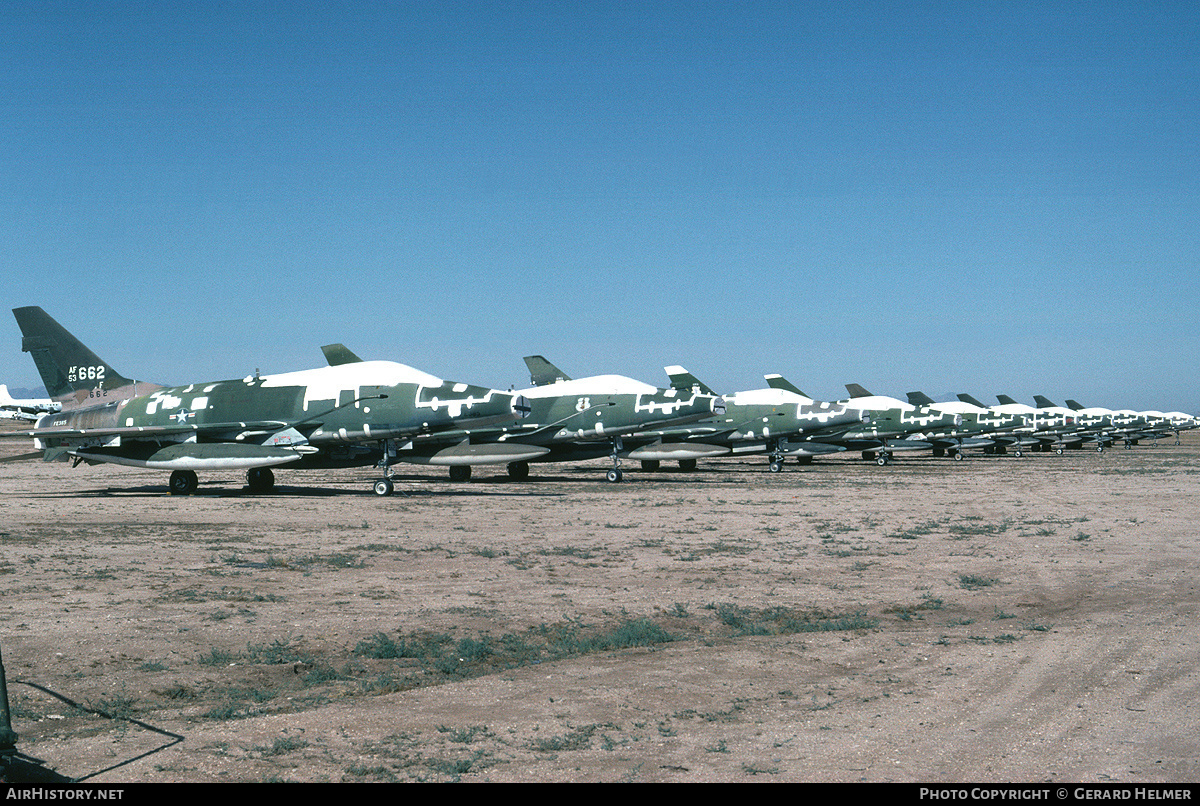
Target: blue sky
x,y
953,197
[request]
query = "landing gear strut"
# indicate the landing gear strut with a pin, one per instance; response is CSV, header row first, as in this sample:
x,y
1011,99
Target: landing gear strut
x,y
614,475
385,486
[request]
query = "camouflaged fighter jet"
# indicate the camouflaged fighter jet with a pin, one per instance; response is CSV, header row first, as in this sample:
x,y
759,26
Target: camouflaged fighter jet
x,y
755,421
981,427
1095,430
1050,427
24,408
570,420
1155,425
893,425
1106,426
347,415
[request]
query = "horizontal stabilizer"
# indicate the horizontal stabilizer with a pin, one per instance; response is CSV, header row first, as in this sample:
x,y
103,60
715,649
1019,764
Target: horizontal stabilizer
x,y
1006,400
1075,405
542,372
21,457
1044,402
857,391
920,399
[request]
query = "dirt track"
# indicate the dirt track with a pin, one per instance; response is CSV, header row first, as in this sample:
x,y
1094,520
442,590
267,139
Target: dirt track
x,y
995,619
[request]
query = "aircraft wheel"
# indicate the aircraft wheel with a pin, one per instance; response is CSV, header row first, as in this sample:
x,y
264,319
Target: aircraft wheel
x,y
650,465
183,482
804,460
958,456
1017,454
1099,449
776,465
687,464
518,471
384,487
460,472
1059,451
881,459
260,479
614,475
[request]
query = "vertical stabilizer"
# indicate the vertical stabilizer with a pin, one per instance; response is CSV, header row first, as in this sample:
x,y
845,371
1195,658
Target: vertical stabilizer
x,y
686,381
542,372
965,398
338,354
73,374
777,381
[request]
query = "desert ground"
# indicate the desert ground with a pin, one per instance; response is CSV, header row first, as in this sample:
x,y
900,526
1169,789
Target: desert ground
x,y
995,619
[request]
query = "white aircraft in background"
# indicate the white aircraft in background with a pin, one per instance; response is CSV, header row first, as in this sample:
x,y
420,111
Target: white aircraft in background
x,y
25,408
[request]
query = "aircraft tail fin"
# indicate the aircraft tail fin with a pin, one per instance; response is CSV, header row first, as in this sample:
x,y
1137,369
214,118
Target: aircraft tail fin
x,y
1044,402
1006,400
857,391
776,381
542,372
5,397
920,399
965,398
1075,405
71,372
337,354
682,379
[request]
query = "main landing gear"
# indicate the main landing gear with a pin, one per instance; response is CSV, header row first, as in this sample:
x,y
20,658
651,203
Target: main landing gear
x,y
614,475
881,457
260,480
183,482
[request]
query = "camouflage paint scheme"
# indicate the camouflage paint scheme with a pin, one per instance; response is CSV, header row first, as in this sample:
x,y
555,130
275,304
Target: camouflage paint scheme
x,y
757,421
336,416
570,419
981,427
893,426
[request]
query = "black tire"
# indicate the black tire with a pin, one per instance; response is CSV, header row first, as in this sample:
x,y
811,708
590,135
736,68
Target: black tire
x,y
614,475
687,464
384,487
460,472
518,471
183,482
650,465
260,479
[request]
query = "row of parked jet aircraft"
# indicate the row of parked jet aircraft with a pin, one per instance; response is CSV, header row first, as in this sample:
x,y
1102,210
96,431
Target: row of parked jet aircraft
x,y
377,413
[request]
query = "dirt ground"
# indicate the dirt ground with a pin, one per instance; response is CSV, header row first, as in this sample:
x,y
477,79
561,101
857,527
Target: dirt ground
x,y
994,619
